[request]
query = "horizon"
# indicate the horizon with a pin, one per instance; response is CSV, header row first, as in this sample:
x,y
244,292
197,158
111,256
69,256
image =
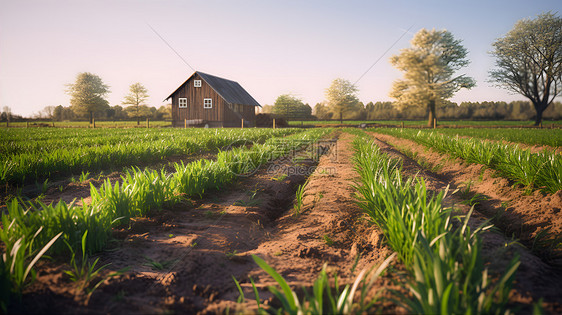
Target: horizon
x,y
269,48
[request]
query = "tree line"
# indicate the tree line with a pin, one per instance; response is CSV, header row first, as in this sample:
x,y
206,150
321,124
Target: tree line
x,y
528,61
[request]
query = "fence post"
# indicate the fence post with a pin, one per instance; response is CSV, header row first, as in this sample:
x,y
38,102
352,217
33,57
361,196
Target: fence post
x,y
402,125
185,124
94,122
434,123
242,127
273,123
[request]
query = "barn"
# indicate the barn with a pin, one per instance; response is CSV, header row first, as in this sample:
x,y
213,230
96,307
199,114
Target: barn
x,y
208,100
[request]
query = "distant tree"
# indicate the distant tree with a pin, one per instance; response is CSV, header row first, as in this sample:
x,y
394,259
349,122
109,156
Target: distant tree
x,y
291,107
6,114
321,111
48,112
342,97
267,109
165,111
88,95
136,98
138,111
428,68
529,60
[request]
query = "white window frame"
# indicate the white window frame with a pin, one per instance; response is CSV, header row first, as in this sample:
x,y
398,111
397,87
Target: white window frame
x,y
196,83
184,105
207,103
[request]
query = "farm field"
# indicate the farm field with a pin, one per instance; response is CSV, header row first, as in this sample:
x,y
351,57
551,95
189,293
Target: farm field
x,y
423,123
86,124
400,219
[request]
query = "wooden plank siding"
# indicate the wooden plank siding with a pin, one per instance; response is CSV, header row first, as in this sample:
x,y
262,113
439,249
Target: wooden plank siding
x,y
222,114
195,97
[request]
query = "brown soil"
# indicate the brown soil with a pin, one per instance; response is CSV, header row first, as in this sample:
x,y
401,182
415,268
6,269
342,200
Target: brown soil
x,y
208,241
524,217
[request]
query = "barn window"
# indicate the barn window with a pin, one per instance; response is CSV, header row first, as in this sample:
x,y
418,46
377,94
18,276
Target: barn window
x,y
197,83
208,103
183,102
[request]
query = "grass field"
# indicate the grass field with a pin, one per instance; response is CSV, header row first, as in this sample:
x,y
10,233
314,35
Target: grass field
x,y
423,123
86,124
312,218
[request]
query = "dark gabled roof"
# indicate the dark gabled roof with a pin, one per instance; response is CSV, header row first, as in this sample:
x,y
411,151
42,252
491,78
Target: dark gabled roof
x,y
229,90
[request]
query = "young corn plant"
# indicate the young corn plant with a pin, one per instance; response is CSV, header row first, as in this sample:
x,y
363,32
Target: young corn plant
x,y
445,264
324,299
83,272
299,198
17,264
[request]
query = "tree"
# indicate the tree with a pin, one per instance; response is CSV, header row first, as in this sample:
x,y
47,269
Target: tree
x,y
136,98
341,97
48,112
165,111
6,114
291,107
88,95
321,111
428,68
529,60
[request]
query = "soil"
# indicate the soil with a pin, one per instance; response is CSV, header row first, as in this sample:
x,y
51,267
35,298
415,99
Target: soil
x,y
539,275
516,211
208,241
201,244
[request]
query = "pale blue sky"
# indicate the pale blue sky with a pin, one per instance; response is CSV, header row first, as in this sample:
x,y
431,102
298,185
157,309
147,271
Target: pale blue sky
x,y
269,47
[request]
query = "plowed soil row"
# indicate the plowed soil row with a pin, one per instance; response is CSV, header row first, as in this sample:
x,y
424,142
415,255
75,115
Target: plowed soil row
x,y
207,242
536,278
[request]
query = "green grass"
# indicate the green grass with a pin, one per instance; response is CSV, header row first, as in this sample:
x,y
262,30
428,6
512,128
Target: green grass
x,y
550,137
86,124
447,273
541,170
29,155
423,123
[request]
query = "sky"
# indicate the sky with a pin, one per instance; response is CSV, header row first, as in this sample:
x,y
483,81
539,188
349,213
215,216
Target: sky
x,y
269,47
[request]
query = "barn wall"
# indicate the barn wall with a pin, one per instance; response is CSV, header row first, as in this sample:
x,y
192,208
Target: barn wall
x,y
195,97
219,115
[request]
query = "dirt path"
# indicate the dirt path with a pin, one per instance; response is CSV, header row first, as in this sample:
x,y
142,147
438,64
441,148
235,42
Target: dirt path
x,y
535,278
204,243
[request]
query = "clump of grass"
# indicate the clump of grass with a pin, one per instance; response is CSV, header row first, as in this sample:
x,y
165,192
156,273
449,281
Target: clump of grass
x,y
323,298
299,198
446,268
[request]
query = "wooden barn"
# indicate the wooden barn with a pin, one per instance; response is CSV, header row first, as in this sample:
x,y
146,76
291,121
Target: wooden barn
x,y
207,100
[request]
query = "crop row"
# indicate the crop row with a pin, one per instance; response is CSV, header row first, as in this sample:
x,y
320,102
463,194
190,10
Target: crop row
x,y
550,137
46,158
540,170
29,226
443,257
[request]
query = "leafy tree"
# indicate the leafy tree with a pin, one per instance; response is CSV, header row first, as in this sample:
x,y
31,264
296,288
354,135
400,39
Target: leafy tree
x,y
342,97
529,60
88,95
321,111
267,109
139,111
428,68
165,111
6,114
136,99
291,107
